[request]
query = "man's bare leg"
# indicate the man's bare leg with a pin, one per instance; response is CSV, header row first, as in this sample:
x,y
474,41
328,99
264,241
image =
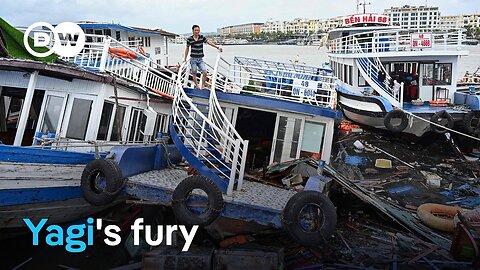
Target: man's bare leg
x,y
204,77
195,81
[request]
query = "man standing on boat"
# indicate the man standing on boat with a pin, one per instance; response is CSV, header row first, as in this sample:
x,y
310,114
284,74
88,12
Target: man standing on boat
x,y
195,45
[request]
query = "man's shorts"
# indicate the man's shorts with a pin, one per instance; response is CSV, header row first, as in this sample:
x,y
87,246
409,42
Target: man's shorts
x,y
197,63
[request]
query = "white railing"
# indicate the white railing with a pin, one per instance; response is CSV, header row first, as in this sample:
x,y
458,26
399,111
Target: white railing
x,y
105,54
396,40
372,66
302,84
204,138
218,117
122,59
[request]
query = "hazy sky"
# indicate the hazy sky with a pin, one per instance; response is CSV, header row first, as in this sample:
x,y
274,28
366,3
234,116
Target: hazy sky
x,y
178,16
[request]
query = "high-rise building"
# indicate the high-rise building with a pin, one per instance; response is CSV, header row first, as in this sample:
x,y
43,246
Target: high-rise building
x,y
413,17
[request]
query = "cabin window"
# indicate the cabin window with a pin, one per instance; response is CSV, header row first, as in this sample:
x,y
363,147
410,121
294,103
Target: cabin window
x,y
442,76
361,80
105,120
312,142
117,35
118,124
53,110
138,121
345,74
160,124
350,75
79,117
288,135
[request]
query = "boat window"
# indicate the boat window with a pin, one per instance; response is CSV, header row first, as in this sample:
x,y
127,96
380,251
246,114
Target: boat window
x,y
361,81
312,142
105,121
11,103
133,124
161,124
137,126
52,114
350,75
141,127
79,117
118,124
443,74
288,134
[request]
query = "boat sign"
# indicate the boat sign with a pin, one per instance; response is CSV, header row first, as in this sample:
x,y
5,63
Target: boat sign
x,y
421,40
366,18
304,88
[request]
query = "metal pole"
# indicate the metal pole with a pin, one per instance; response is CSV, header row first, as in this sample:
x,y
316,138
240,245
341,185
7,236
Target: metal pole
x,y
27,103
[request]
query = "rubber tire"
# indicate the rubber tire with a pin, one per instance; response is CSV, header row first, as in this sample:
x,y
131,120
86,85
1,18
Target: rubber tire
x,y
397,113
293,209
113,178
467,121
183,190
436,116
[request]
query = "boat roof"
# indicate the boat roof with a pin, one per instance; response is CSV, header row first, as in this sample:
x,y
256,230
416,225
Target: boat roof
x,y
364,28
137,30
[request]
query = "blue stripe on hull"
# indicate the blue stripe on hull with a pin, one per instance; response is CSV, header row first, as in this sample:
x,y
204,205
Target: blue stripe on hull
x,y
38,195
10,153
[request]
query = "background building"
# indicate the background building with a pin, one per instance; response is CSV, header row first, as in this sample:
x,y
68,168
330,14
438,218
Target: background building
x,y
412,17
241,29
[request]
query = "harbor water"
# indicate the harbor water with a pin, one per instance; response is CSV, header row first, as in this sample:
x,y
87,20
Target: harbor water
x,y
308,55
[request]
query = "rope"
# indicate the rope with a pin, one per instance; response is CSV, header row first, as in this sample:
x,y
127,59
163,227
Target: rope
x,y
438,125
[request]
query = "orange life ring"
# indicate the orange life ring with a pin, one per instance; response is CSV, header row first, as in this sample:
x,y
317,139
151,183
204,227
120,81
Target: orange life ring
x,y
142,51
123,53
438,103
438,216
161,93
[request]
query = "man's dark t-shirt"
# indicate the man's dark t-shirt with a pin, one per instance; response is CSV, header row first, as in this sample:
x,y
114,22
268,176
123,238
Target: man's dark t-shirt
x,y
197,46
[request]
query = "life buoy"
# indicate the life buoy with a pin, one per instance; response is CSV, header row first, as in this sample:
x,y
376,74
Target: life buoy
x,y
468,122
438,103
162,93
101,181
437,119
316,226
142,51
123,53
438,216
396,113
181,195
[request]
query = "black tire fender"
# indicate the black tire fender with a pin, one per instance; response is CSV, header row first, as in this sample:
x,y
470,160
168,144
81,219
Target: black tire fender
x,y
101,168
436,119
468,121
396,113
183,191
291,218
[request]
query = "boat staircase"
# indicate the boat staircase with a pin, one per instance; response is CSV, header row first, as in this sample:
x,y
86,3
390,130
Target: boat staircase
x,y
205,136
370,68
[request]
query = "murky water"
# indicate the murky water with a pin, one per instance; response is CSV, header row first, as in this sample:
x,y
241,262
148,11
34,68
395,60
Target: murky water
x,y
309,55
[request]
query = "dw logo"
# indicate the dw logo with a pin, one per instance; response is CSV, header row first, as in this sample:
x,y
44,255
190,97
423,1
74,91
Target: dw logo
x,y
68,39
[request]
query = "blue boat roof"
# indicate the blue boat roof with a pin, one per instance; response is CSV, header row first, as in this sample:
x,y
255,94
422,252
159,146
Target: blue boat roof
x,y
268,103
136,30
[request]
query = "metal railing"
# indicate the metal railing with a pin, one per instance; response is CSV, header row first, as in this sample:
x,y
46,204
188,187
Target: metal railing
x,y
397,40
371,67
106,54
122,59
296,83
207,134
218,117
